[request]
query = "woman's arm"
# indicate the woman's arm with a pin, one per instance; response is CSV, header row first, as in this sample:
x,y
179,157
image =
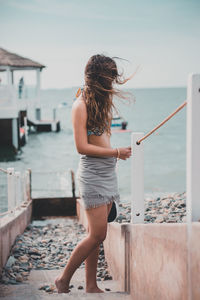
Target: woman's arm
x,y
79,121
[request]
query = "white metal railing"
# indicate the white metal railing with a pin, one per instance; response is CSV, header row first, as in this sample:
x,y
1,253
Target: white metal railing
x,y
193,159
193,148
18,189
9,97
137,179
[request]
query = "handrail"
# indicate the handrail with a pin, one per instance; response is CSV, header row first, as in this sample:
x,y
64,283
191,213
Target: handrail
x,y
18,189
4,171
162,123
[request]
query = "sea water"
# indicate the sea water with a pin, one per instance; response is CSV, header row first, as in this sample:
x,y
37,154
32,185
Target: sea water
x,y
51,155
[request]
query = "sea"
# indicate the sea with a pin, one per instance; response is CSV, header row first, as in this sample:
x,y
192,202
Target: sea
x,y
51,155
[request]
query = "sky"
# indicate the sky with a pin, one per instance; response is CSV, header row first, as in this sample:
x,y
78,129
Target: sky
x,y
160,36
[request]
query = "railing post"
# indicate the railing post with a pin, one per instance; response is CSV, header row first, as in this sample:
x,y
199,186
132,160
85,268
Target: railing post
x,y
18,194
193,147
38,113
73,183
11,188
29,183
26,129
137,179
23,183
54,113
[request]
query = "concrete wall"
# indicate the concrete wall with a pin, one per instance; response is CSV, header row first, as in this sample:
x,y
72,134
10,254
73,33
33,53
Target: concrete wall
x,y
195,260
57,206
151,260
11,226
158,261
115,252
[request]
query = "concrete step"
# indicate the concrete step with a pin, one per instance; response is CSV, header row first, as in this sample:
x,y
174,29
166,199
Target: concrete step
x,y
37,278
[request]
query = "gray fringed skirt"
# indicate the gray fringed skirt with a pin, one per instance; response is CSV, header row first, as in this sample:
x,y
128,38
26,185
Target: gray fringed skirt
x,y
97,180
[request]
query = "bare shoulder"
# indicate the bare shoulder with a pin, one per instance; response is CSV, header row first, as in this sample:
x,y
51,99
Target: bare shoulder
x,y
79,105
79,110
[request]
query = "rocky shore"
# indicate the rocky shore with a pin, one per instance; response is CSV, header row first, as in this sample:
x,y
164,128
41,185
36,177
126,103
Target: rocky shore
x,y
168,209
47,245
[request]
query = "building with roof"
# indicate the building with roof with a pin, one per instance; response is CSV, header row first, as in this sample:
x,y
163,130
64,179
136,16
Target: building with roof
x,y
14,108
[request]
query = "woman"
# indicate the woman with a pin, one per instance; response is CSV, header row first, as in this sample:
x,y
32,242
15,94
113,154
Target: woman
x,y
91,118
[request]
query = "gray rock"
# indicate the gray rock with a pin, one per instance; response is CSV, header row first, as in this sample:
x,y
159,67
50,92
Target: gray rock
x,y
11,260
19,278
147,218
43,287
8,280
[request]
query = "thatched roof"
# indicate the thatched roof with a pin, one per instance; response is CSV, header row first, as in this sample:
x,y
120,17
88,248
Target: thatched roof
x,y
17,62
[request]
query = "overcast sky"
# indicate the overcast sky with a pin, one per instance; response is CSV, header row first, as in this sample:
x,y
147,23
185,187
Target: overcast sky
x,y
162,36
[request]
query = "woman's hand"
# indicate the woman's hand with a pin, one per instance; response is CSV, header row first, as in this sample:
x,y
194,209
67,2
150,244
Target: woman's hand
x,y
124,153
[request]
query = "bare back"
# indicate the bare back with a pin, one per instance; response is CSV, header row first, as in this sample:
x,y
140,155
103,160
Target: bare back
x,y
102,140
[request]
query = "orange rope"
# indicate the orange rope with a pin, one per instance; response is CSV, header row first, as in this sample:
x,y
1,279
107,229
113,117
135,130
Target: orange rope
x,y
4,171
162,123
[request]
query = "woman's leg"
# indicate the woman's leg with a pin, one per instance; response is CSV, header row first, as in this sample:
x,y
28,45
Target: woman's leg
x,y
97,221
91,266
91,271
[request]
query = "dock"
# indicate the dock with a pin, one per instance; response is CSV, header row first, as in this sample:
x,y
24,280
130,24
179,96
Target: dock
x,y
16,111
45,125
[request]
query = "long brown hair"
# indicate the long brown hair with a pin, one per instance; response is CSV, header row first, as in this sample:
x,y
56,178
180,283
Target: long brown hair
x,y
101,74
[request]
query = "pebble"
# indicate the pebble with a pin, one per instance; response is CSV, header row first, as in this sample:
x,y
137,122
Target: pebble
x,y
80,287
46,247
168,209
10,262
19,278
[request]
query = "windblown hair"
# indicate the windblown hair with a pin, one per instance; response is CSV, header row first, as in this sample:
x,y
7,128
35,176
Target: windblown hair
x,y
101,74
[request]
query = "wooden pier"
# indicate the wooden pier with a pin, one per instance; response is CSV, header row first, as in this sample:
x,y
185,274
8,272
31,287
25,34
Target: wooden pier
x,y
15,108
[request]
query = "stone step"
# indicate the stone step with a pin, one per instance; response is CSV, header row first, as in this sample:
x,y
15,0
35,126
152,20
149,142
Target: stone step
x,y
39,278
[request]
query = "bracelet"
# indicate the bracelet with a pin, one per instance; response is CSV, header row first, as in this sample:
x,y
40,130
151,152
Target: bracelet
x,y
118,153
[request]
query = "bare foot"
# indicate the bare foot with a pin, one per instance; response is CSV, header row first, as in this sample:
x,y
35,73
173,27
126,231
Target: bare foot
x,y
62,287
94,289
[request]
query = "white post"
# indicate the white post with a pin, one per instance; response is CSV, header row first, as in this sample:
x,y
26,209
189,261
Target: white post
x,y
53,126
26,186
11,87
18,193
12,77
54,113
9,77
193,148
11,188
137,179
38,82
38,88
29,184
